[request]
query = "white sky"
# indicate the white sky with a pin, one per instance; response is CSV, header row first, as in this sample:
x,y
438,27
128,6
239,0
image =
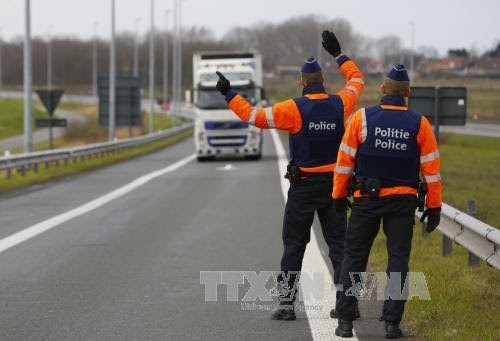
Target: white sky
x,y
440,23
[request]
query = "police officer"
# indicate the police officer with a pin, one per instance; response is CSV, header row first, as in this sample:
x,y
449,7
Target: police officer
x,y
315,123
386,146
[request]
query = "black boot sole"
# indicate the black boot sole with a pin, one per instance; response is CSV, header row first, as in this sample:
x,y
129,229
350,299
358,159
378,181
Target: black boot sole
x,y
343,333
284,318
284,315
394,336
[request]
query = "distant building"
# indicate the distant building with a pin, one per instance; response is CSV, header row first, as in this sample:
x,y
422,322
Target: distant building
x,y
486,66
450,65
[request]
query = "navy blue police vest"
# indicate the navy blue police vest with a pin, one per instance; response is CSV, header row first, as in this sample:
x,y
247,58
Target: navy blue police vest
x,y
390,152
318,142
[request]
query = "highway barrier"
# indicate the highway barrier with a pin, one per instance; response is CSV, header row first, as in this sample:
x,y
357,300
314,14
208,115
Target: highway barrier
x,y
30,161
480,239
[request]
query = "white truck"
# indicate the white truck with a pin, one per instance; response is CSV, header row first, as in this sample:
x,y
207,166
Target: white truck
x,y
218,131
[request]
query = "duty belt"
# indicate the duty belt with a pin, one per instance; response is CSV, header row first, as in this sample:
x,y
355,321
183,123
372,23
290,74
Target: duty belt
x,y
372,186
295,174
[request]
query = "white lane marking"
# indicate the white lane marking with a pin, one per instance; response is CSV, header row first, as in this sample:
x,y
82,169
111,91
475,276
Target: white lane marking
x,y
228,167
34,230
321,325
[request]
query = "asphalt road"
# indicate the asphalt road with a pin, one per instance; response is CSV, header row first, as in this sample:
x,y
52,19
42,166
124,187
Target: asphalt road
x,y
129,268
474,129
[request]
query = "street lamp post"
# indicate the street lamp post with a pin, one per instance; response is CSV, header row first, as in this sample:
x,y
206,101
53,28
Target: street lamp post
x,y
112,76
94,61
177,62
27,61
49,58
136,48
165,61
151,70
1,82
179,51
412,55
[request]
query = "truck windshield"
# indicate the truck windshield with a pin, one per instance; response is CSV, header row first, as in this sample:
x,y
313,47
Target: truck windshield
x,y
212,99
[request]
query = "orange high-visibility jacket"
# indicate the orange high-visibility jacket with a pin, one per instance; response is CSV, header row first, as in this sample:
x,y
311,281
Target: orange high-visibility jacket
x,y
286,115
429,160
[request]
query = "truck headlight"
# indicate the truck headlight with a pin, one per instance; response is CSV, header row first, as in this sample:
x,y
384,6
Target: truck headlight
x,y
201,137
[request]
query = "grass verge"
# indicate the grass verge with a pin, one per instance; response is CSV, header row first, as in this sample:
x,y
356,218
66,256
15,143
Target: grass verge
x,y
465,302
53,172
11,117
469,169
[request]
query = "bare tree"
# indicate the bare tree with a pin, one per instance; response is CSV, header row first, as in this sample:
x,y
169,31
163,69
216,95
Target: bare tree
x,y
389,48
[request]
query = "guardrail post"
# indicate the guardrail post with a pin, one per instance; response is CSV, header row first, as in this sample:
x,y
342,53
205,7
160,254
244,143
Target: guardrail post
x,y
473,259
22,170
447,245
472,211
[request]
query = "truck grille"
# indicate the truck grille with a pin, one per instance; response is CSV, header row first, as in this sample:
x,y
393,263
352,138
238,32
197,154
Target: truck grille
x,y
225,125
227,141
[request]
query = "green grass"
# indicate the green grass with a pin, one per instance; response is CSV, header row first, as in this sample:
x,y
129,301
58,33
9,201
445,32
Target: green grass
x,y
11,117
53,172
465,302
470,170
161,121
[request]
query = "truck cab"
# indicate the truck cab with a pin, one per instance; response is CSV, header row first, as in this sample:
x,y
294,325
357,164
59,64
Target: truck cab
x,y
218,131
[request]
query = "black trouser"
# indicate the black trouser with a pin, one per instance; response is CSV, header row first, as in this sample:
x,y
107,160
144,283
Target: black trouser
x,y
305,197
397,213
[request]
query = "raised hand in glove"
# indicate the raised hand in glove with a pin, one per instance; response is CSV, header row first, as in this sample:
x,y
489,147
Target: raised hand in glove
x,y
223,84
342,204
331,43
433,216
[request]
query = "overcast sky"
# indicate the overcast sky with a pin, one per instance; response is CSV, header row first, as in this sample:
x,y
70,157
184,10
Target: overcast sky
x,y
441,23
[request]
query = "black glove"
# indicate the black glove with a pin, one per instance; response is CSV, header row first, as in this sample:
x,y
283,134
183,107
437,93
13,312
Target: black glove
x,y
433,216
342,204
223,84
331,43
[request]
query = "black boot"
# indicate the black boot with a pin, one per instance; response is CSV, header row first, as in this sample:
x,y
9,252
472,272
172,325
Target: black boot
x,y
284,312
392,330
334,314
344,329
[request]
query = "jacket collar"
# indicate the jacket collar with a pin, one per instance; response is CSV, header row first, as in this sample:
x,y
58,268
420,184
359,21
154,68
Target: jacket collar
x,y
313,88
393,100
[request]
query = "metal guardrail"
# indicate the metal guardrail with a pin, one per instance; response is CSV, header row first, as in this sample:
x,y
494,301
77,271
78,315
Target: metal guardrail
x,y
480,239
31,160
